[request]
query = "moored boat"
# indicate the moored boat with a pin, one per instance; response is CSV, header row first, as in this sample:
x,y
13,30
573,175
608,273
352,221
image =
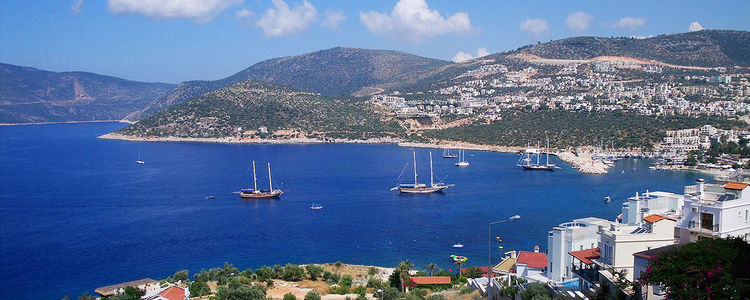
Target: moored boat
x,y
255,193
422,188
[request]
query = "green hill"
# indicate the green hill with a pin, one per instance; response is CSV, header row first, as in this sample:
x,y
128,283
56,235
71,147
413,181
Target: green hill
x,y
30,95
249,105
332,72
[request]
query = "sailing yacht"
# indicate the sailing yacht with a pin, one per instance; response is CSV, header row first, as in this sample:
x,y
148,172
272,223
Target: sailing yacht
x,y
139,161
255,193
526,164
421,188
462,159
447,154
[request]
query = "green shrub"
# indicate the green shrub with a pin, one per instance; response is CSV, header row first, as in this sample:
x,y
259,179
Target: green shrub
x,y
290,296
312,295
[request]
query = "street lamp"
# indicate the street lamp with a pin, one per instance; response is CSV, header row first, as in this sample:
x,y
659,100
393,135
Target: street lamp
x,y
489,251
380,291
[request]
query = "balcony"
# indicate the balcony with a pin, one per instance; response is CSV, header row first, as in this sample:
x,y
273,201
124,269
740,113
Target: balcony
x,y
706,228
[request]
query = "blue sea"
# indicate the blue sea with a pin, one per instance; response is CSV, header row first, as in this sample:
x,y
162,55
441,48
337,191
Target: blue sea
x,y
77,212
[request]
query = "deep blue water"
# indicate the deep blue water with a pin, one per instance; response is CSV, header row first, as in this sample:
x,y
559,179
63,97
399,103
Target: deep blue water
x,y
77,212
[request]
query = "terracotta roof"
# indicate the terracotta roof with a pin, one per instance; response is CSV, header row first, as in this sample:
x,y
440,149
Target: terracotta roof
x,y
173,293
430,280
586,255
110,289
505,266
532,259
656,218
736,186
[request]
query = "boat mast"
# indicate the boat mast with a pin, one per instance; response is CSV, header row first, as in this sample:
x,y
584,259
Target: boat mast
x,y
415,166
270,183
548,150
431,180
255,179
537,152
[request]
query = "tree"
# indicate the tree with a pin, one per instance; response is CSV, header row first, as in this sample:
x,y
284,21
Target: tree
x,y
346,280
387,293
241,292
372,271
293,273
181,275
248,273
199,288
312,295
404,268
315,271
130,293
432,267
473,273
264,273
535,291
708,268
290,296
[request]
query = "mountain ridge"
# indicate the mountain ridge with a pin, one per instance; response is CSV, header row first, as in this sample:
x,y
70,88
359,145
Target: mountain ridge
x,y
31,95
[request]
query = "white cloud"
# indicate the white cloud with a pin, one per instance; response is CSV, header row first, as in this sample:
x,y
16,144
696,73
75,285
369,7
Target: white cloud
x,y
695,26
578,21
630,23
198,10
244,13
414,20
535,26
463,56
282,21
333,18
482,52
76,7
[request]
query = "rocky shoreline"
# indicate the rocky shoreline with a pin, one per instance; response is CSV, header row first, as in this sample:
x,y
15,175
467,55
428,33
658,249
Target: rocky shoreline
x,y
583,162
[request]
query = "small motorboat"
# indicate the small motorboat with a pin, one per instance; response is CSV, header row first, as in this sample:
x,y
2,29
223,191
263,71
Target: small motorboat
x,y
140,162
607,199
211,197
316,206
458,246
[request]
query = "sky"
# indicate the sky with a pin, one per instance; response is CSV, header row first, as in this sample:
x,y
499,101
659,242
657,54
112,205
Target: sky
x,y
178,40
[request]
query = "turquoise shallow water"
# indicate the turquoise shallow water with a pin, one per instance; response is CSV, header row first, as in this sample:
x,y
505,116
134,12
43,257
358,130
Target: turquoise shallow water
x,y
78,212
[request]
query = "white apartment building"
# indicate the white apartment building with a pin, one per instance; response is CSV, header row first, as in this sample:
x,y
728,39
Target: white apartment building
x,y
570,236
712,210
620,241
649,203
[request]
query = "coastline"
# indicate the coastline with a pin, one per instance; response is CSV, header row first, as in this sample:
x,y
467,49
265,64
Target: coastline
x,y
234,140
66,122
711,172
583,162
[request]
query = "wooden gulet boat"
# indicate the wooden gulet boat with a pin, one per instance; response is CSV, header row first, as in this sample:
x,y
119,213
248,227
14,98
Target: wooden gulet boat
x,y
255,193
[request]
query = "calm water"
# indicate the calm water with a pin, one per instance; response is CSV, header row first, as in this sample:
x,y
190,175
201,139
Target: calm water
x,y
78,212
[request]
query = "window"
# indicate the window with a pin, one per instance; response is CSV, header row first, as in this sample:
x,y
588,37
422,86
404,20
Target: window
x,y
707,221
746,216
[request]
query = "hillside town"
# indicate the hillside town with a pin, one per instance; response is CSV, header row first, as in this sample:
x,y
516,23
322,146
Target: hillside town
x,y
616,85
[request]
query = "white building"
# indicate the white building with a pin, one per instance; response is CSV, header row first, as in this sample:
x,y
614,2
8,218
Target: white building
x,y
620,241
530,265
570,236
712,210
649,203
